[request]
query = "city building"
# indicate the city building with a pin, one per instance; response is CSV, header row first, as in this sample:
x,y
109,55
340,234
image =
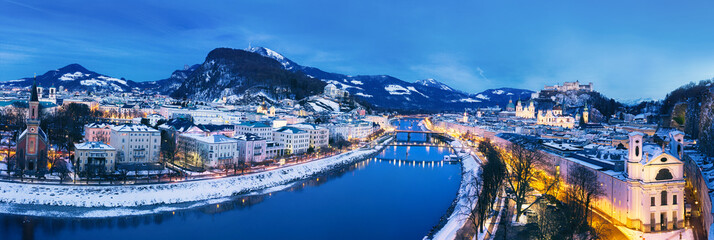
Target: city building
x,y
94,158
295,140
332,91
135,144
97,132
319,136
648,195
257,128
525,111
655,179
555,117
273,150
212,151
251,148
360,130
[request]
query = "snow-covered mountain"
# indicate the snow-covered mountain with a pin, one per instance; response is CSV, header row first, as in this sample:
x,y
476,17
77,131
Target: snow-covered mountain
x,y
237,74
387,92
430,82
635,101
74,77
503,95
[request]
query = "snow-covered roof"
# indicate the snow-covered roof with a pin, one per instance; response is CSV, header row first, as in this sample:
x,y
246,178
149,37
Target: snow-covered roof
x,y
98,125
248,137
253,124
218,138
133,128
92,146
306,126
636,133
292,130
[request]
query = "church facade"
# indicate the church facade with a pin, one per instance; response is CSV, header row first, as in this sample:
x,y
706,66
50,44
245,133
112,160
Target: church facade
x,y
648,195
32,143
656,181
523,111
555,118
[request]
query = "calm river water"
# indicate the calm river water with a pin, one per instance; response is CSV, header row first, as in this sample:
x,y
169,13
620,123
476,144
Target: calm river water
x,y
379,198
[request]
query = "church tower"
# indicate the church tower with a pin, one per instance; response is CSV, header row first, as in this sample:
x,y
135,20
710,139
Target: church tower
x,y
634,155
586,113
676,143
32,143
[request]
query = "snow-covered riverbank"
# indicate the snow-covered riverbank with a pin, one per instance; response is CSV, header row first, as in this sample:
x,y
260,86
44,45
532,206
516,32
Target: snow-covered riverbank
x,y
457,219
173,193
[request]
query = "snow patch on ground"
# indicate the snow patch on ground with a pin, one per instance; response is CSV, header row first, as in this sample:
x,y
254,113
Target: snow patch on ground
x,y
123,82
71,76
357,82
481,96
471,100
394,89
634,234
414,90
363,95
342,85
470,168
498,92
93,82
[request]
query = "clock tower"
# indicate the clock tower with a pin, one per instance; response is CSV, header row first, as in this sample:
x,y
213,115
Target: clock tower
x,y
32,143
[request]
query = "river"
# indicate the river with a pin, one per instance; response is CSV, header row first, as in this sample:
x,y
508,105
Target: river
x,y
400,194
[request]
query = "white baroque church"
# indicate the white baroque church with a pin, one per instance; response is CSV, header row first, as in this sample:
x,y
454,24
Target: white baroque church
x,y
655,178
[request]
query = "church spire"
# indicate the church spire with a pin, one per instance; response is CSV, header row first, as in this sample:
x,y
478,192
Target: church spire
x,y
33,91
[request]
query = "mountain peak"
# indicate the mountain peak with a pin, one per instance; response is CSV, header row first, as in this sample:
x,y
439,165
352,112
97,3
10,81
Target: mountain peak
x,y
267,52
430,82
74,67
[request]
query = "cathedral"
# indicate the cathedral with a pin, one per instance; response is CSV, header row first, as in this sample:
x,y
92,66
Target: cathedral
x,y
525,111
32,143
555,117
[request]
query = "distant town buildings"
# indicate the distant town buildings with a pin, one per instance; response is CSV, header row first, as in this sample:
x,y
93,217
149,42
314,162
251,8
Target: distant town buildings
x,y
570,86
332,91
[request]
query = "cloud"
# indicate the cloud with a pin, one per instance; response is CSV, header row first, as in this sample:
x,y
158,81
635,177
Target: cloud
x,y
451,70
619,67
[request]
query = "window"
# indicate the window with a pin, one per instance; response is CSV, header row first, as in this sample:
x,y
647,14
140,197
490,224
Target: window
x,y
664,198
664,174
674,199
652,201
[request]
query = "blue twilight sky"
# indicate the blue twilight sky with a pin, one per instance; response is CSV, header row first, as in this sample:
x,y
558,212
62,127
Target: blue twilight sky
x,y
628,49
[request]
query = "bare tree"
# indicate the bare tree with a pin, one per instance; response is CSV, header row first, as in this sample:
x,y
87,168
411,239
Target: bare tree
x,y
584,187
491,176
522,164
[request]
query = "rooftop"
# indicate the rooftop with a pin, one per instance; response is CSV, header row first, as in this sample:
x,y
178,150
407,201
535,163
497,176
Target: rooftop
x,y
92,146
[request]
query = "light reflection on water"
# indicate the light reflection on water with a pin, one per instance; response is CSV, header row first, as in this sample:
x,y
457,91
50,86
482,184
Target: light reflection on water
x,y
381,196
